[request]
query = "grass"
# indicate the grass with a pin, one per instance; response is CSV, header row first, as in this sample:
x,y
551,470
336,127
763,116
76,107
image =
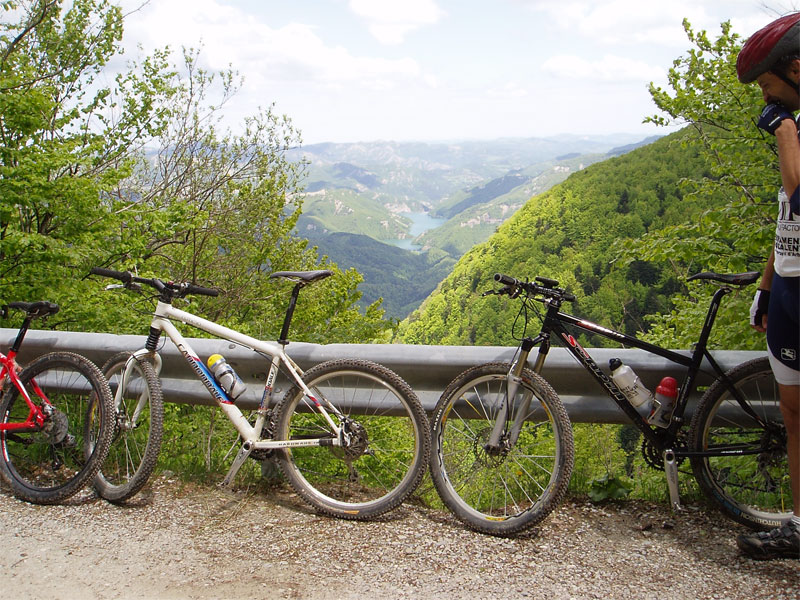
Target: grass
x,y
199,447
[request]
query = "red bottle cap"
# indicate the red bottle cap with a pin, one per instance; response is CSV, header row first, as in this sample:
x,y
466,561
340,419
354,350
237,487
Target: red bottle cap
x,y
668,387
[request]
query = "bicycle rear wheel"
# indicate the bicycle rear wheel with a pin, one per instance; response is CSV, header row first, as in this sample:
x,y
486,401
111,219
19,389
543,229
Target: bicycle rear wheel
x,y
54,462
752,488
139,425
387,454
500,492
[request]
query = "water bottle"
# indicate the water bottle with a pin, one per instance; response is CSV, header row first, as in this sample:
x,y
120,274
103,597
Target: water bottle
x,y
629,384
226,376
666,395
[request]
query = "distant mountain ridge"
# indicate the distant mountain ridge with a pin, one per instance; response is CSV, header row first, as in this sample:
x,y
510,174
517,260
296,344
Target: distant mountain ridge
x,y
485,193
489,158
372,188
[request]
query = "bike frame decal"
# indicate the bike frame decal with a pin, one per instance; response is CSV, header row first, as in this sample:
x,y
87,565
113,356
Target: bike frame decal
x,y
574,343
273,373
205,376
588,362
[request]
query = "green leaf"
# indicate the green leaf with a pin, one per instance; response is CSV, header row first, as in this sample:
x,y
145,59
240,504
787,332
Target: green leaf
x,y
608,488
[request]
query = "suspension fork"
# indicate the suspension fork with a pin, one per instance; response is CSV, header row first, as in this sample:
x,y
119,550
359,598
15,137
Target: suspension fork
x,y
513,381
144,354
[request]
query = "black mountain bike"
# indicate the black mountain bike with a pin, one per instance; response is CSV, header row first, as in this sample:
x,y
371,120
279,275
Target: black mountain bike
x,y
502,443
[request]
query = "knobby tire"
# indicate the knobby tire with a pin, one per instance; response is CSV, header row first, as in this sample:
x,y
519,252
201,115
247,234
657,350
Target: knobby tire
x,y
753,489
51,464
390,446
135,448
500,492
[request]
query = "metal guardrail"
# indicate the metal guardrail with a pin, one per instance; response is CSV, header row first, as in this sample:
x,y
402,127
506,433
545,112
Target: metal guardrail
x,y
427,369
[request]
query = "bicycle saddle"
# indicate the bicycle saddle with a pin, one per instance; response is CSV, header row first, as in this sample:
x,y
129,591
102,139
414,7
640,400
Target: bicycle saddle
x,y
304,276
36,309
732,279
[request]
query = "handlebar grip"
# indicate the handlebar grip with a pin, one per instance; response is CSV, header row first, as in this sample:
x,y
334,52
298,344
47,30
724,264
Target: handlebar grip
x,y
202,291
124,276
505,279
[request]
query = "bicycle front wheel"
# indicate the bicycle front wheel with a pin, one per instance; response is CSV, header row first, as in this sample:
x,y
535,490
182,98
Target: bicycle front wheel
x,y
745,470
386,447
503,490
50,463
139,423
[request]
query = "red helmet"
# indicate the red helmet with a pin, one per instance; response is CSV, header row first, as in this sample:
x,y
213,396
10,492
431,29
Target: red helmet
x,y
768,45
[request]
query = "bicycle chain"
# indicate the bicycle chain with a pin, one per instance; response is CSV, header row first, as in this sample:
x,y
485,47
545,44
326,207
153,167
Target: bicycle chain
x,y
655,457
266,434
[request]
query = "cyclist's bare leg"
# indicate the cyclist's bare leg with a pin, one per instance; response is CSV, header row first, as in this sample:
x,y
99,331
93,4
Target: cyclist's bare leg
x,y
790,408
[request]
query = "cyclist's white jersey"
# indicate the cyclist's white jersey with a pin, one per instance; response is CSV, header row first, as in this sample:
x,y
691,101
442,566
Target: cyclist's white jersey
x,y
787,239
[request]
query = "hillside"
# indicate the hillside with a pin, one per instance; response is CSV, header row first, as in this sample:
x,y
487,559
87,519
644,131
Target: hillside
x,y
474,214
367,188
382,190
568,233
401,277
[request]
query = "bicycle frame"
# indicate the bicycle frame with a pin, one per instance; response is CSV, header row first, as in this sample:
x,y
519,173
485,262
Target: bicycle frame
x,y
8,373
164,314
555,323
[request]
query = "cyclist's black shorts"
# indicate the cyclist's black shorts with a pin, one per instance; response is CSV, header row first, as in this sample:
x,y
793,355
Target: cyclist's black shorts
x,y
783,329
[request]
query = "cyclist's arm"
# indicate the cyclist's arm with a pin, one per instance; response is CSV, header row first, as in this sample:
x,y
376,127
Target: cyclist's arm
x,y
769,272
766,284
788,155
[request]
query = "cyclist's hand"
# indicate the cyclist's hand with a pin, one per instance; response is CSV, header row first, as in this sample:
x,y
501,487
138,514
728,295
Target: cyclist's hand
x,y
758,310
772,116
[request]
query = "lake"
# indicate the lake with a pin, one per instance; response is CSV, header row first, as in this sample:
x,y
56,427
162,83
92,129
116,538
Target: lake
x,y
420,223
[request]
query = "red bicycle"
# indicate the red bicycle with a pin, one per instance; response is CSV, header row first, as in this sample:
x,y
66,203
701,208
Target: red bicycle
x,y
56,418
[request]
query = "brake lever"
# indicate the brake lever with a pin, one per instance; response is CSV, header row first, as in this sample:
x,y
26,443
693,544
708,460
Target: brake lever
x,y
136,287
508,290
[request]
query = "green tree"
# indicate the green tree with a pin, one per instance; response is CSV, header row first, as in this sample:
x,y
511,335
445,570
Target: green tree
x,y
65,140
140,174
721,113
220,210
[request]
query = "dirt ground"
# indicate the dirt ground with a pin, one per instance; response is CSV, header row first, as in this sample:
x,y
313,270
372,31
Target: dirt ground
x,y
178,541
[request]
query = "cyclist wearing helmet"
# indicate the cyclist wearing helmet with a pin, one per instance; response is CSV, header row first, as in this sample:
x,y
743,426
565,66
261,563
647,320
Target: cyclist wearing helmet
x,y
771,57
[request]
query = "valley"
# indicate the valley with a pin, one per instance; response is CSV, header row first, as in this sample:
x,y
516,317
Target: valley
x,y
402,214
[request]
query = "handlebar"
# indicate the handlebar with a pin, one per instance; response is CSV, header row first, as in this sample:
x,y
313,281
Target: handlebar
x,y
164,288
546,288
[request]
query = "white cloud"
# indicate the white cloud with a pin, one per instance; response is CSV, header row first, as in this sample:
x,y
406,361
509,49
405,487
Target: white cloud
x,y
609,68
481,69
274,56
389,21
511,89
628,22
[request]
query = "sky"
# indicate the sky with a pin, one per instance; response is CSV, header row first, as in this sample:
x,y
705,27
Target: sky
x,y
441,70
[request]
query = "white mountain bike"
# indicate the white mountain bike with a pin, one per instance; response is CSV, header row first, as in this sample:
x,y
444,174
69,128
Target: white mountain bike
x,y
350,436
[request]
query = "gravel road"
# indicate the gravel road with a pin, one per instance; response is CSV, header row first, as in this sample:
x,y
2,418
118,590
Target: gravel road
x,y
179,541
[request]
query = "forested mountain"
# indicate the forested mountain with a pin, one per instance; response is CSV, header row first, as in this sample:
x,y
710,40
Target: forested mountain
x,y
401,277
569,233
474,214
370,188
377,190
